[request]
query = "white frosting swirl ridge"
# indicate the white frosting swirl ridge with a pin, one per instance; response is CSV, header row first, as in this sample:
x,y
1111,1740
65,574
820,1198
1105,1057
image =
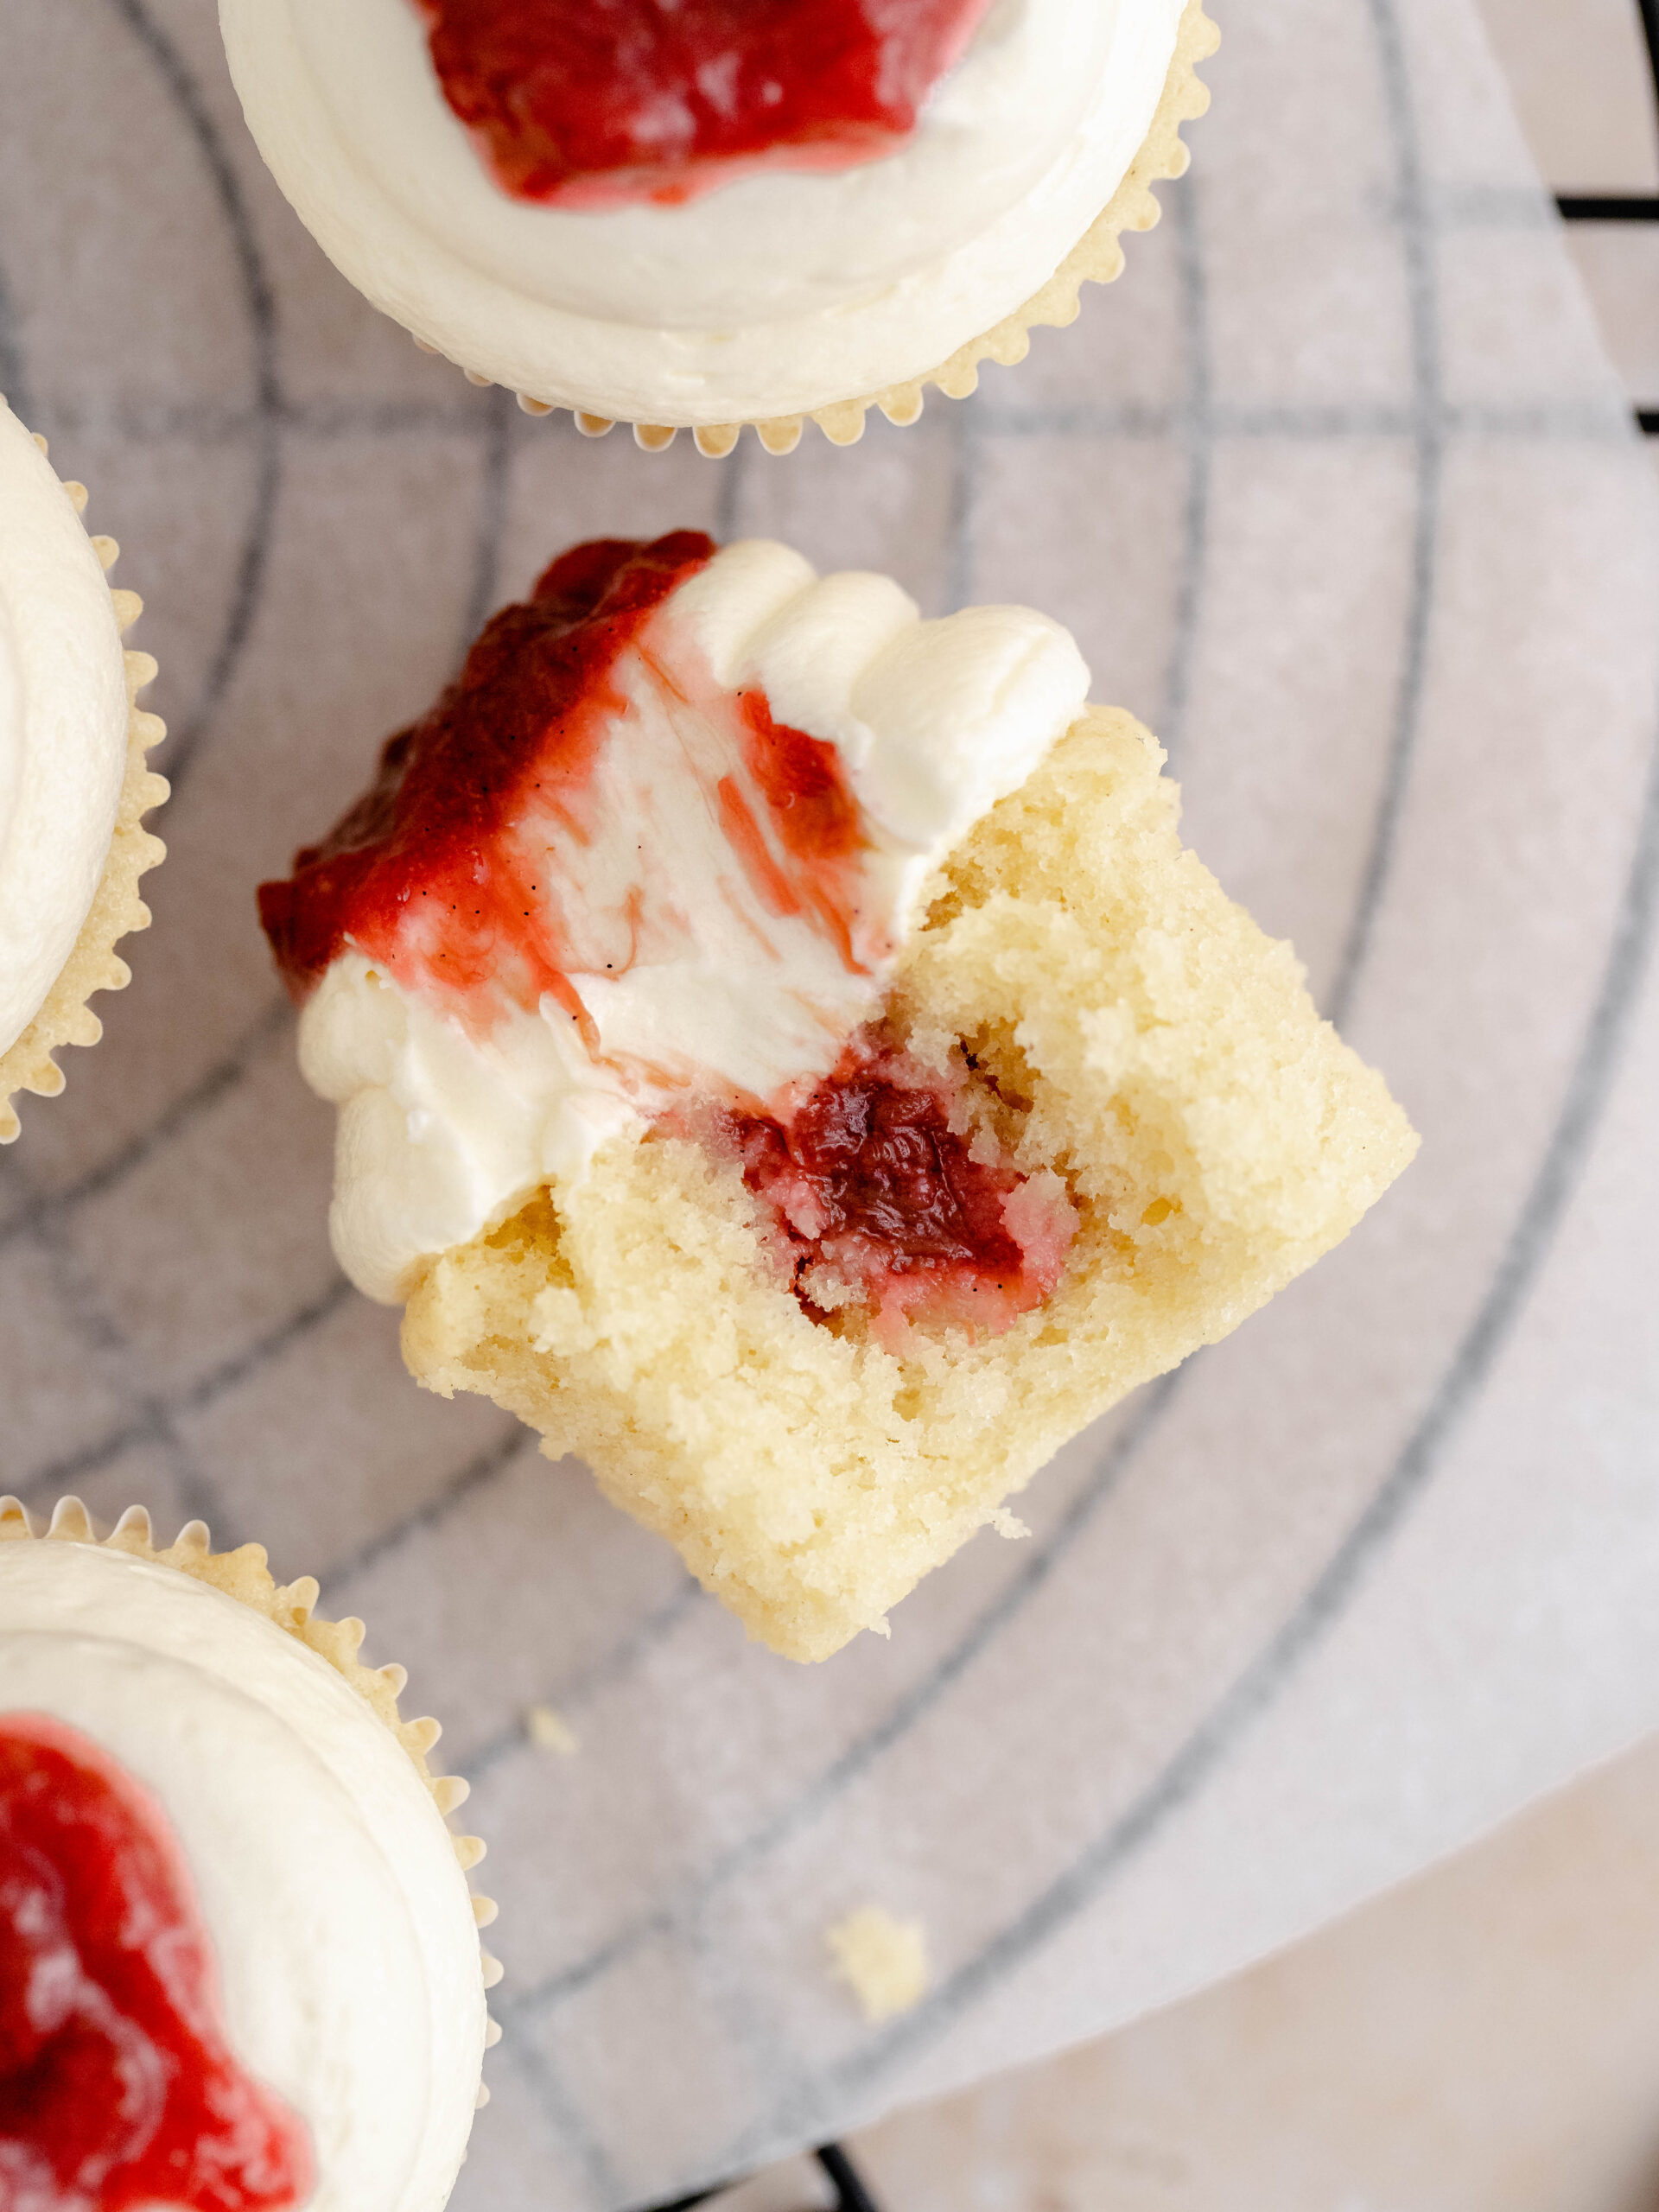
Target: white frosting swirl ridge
x,y
692,977
63,726
340,1921
776,294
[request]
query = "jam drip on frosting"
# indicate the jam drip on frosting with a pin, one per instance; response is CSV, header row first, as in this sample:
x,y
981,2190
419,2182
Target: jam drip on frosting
x,y
116,2088
417,873
881,1200
595,103
462,869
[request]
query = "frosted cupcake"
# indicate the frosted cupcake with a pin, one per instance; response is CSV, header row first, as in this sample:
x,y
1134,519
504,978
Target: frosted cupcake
x,y
785,1054
239,1970
712,214
74,786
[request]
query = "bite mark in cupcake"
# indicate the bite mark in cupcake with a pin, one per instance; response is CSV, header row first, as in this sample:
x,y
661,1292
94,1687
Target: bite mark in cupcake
x,y
860,1091
611,883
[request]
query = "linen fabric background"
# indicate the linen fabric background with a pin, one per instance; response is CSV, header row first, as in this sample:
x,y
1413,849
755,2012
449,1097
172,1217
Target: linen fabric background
x,y
1338,493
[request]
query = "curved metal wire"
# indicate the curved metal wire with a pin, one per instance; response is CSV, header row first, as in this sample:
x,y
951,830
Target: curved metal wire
x,y
852,2192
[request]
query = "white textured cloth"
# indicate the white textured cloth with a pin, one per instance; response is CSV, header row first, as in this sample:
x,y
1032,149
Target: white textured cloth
x,y
1337,491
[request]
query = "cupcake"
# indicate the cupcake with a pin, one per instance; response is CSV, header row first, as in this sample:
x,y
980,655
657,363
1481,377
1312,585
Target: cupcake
x,y
712,214
785,1054
239,1970
74,786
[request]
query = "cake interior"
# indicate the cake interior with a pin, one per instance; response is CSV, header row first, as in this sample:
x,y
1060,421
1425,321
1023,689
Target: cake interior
x,y
1103,1022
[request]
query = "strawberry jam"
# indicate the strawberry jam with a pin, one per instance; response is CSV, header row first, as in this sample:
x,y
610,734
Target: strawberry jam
x,y
813,814
420,874
594,103
504,854
116,2088
869,1183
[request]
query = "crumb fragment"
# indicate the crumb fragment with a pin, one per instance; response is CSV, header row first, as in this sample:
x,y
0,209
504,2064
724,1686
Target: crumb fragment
x,y
550,1731
1008,1524
882,1960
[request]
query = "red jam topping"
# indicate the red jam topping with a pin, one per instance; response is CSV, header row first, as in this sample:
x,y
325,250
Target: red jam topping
x,y
594,103
871,1185
463,871
116,2088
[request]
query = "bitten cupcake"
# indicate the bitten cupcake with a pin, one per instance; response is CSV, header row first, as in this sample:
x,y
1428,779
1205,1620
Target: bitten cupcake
x,y
74,786
239,1970
713,214
785,1054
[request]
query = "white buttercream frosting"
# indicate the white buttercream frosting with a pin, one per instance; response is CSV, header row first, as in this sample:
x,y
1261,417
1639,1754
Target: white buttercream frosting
x,y
689,976
63,726
777,293
340,1921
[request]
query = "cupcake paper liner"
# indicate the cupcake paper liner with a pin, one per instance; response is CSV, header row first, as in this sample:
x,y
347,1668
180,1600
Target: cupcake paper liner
x,y
1096,258
242,1574
117,910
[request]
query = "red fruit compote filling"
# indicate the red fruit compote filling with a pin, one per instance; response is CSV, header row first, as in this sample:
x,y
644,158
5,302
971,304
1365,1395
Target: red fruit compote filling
x,y
117,2089
595,103
558,823
885,1200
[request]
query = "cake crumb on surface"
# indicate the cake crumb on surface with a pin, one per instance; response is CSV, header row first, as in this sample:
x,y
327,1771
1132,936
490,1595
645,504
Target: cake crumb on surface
x,y
882,1960
550,1731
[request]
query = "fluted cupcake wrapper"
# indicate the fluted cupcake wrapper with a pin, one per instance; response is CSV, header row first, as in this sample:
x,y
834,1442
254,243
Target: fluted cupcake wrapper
x,y
116,911
242,1574
1096,258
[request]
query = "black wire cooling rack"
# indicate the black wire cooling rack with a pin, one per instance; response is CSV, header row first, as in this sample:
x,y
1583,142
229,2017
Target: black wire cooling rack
x,y
1627,206
852,2194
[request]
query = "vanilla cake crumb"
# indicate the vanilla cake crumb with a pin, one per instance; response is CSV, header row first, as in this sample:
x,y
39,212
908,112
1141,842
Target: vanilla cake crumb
x,y
1134,1032
883,1961
550,1731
